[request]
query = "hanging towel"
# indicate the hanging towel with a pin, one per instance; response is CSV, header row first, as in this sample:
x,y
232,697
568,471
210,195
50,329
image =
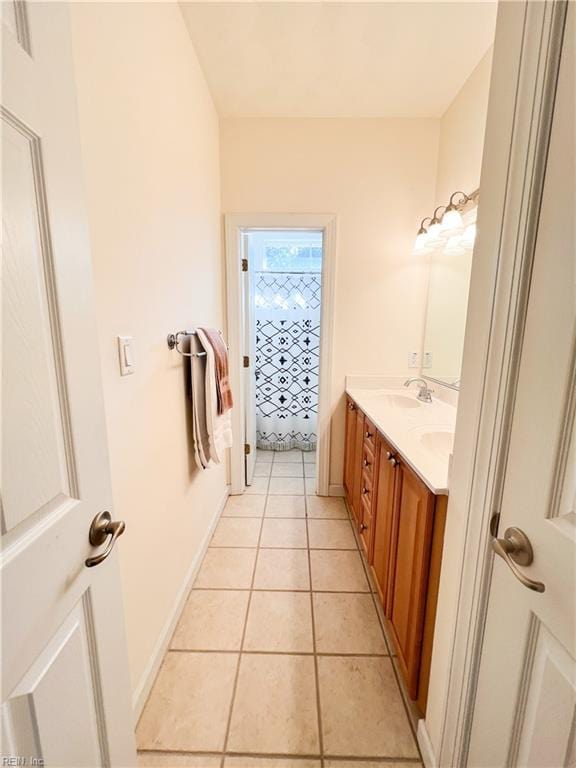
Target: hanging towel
x,y
223,391
219,426
198,396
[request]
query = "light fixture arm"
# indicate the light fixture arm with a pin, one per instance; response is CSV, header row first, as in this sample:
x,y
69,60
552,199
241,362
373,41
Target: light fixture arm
x,y
435,219
452,206
423,230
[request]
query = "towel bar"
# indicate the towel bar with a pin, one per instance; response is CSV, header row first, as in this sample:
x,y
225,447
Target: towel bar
x,y
172,340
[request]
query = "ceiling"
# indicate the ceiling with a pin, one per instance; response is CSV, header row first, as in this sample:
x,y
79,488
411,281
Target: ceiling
x,y
352,59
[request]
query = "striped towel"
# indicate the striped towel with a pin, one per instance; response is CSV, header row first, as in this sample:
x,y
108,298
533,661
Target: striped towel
x,y
223,391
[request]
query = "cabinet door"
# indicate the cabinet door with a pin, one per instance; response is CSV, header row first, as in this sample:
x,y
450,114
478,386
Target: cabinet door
x,y
383,513
349,448
357,465
412,531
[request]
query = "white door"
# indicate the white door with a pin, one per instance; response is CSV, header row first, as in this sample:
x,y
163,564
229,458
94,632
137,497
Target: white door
x,y
65,680
249,360
525,709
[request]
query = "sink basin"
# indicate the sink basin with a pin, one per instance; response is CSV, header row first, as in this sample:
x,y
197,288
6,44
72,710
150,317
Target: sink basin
x,y
400,401
395,401
437,440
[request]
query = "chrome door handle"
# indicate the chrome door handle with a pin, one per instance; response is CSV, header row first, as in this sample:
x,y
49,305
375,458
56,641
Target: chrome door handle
x,y
101,527
515,549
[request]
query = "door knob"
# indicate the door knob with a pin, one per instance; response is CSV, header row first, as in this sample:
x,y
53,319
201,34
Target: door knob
x,y
102,527
515,549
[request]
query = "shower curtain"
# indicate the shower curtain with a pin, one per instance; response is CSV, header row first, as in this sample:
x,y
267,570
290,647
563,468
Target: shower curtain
x,y
287,315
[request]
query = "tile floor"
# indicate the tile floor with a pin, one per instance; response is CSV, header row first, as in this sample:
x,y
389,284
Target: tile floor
x,y
278,658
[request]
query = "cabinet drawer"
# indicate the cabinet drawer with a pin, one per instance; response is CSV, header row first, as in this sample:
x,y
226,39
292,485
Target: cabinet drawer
x,y
369,434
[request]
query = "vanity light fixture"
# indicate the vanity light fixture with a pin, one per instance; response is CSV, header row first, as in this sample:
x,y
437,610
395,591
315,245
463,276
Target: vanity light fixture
x,y
469,235
447,226
452,221
435,228
421,244
454,246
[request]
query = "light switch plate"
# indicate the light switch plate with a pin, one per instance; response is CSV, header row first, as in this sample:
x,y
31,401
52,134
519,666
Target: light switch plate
x,y
126,355
413,359
427,361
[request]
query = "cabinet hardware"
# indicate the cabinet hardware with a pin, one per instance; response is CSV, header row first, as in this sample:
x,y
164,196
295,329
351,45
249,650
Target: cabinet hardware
x,y
362,527
351,407
365,491
368,434
394,461
366,463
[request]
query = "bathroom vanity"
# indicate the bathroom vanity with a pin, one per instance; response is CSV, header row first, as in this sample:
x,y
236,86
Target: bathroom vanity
x,y
397,455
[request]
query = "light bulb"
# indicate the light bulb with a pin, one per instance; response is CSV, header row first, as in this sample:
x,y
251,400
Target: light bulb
x,y
452,222
454,246
435,234
468,237
421,244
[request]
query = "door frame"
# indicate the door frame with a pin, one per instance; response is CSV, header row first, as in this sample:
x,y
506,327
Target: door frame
x,y
235,224
526,61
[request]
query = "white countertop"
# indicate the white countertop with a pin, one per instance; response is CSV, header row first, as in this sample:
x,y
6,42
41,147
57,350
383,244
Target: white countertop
x,y
422,433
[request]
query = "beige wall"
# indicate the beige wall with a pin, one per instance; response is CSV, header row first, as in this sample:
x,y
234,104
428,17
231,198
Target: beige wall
x,y
378,176
462,134
150,148
459,159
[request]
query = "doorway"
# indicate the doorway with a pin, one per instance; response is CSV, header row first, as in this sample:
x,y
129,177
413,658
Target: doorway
x,y
280,289
282,304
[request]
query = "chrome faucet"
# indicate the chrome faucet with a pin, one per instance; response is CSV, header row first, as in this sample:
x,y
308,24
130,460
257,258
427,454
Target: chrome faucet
x,y
424,391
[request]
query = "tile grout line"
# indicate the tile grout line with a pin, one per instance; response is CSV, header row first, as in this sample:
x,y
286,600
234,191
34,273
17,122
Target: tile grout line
x,y
387,644
320,655
237,675
379,759
314,647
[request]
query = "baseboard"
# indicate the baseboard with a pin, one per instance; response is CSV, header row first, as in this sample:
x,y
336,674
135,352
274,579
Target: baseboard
x,y
336,490
147,680
425,745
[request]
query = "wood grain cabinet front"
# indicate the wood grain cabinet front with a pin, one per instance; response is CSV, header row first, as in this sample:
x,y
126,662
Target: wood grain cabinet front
x,y
350,434
412,535
401,526
384,508
353,458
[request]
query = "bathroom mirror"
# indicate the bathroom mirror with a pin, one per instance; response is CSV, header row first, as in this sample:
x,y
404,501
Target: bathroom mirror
x,y
449,281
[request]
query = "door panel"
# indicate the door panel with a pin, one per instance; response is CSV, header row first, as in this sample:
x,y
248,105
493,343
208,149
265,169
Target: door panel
x,y
38,470
66,695
384,514
415,517
349,449
544,733
525,697
63,673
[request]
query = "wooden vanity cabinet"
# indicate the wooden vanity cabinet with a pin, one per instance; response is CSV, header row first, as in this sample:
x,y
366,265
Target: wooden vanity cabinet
x,y
401,527
409,567
353,458
384,508
350,434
